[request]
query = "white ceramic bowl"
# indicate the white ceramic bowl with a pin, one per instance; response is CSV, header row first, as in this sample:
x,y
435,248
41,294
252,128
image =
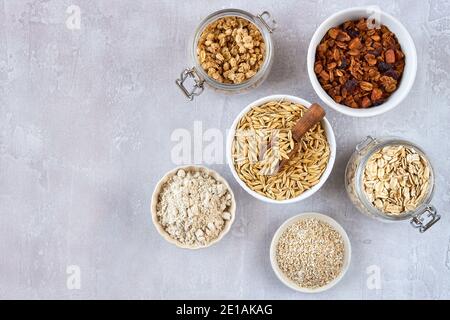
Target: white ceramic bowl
x,y
405,41
157,191
330,136
273,247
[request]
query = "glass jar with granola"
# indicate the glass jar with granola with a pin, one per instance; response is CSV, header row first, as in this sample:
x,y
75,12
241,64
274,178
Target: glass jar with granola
x,y
231,51
392,179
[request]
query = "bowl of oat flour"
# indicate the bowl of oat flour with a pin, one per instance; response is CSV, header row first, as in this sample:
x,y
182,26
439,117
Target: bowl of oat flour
x,y
193,207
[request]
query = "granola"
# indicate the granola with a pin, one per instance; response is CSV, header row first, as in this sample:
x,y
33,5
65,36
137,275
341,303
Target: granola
x,y
231,50
358,65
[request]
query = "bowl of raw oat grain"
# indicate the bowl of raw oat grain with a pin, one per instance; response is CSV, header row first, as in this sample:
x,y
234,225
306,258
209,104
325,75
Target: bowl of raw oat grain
x,y
310,252
193,207
260,137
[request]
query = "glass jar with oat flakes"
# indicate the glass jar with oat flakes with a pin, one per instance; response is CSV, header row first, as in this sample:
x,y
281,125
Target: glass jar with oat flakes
x,y
392,179
231,51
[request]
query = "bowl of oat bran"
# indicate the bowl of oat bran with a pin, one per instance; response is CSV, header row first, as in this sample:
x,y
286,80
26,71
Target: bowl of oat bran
x,y
310,252
304,175
193,207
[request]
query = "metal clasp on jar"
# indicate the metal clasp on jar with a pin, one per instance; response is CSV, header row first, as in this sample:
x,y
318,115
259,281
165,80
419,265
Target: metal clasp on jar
x,y
198,87
364,144
426,218
263,17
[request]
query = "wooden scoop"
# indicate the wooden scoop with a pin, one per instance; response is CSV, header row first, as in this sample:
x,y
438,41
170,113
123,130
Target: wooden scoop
x,y
313,116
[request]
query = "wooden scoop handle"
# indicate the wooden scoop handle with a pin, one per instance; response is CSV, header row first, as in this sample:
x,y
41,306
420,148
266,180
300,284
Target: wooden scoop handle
x,y
314,115
310,119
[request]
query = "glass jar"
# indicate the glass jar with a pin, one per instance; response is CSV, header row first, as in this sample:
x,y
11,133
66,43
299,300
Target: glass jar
x,y
425,214
198,75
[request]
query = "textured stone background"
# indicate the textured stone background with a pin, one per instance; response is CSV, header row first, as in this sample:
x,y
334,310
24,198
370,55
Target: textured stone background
x,y
85,123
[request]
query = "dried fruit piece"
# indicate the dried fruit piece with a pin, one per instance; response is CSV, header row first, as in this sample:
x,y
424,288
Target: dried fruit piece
x,y
393,74
366,102
353,33
350,85
343,64
389,56
376,95
383,66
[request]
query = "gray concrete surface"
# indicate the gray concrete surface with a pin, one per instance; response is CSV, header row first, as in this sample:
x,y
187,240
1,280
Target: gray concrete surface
x,y
86,118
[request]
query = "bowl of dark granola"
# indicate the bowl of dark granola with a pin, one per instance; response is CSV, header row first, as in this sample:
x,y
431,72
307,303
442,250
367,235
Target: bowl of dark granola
x,y
362,62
